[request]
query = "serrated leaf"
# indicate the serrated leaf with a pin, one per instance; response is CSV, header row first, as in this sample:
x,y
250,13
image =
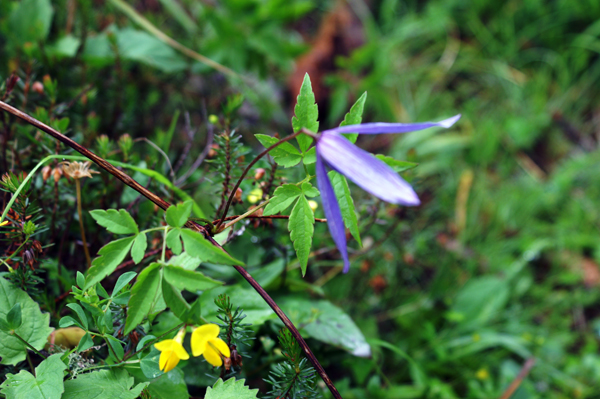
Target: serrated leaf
x,y
306,114
285,154
122,281
230,389
80,314
103,384
118,222
397,166
189,280
178,215
111,255
301,227
34,330
47,383
344,197
198,246
354,117
310,156
309,190
185,260
283,197
138,249
175,300
174,241
143,296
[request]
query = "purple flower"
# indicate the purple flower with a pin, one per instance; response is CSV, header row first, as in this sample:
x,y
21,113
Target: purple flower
x,y
335,152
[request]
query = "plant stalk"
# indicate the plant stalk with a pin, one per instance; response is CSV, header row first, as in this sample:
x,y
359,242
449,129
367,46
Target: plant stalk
x,y
88,258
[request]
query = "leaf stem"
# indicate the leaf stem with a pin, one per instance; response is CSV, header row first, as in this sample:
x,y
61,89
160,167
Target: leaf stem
x,y
80,213
28,344
245,172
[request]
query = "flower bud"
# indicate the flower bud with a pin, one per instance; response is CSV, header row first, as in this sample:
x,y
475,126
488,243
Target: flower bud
x,y
259,173
313,205
238,195
38,87
46,170
213,151
57,173
255,196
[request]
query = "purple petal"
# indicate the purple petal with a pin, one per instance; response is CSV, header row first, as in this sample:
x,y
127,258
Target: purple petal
x,y
377,128
368,172
332,212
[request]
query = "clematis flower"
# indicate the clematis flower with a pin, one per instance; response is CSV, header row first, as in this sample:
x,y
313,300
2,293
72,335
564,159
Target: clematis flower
x,y
206,342
171,352
335,152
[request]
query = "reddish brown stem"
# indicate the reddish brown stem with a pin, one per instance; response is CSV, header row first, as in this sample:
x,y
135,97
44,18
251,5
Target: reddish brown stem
x,y
519,379
264,217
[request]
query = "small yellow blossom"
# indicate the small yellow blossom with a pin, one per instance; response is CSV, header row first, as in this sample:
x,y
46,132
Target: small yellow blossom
x,y
171,352
313,205
482,374
255,196
206,342
77,170
4,223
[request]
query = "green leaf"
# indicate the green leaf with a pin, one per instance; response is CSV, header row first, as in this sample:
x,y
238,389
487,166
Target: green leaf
x,y
111,255
80,280
189,280
175,301
257,311
198,246
310,156
169,386
13,318
284,154
103,384
118,222
301,227
230,389
68,321
122,281
138,249
30,21
327,323
283,197
85,343
354,117
47,383
34,330
117,348
306,114
398,166
149,364
80,314
309,190
143,296
344,197
174,241
185,260
178,215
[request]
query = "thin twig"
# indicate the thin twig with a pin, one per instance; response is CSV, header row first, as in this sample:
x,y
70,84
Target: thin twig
x,y
519,379
250,165
209,141
201,229
264,217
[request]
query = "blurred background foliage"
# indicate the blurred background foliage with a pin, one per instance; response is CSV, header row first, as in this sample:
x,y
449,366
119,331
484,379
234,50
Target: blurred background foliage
x,y
501,262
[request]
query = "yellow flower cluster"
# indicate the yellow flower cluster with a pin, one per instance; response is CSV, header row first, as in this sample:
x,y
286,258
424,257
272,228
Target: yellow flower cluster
x,y
205,341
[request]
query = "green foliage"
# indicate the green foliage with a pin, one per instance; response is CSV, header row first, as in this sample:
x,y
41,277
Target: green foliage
x,y
46,384
301,227
103,384
285,154
118,222
306,114
144,295
231,388
354,116
34,330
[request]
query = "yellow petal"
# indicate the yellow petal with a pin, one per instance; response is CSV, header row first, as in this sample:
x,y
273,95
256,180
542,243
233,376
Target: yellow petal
x,y
201,335
165,345
4,223
220,346
180,351
168,360
212,356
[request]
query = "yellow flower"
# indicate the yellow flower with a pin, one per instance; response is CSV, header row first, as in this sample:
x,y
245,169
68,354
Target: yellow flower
x,y
171,352
482,374
206,342
77,170
4,223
